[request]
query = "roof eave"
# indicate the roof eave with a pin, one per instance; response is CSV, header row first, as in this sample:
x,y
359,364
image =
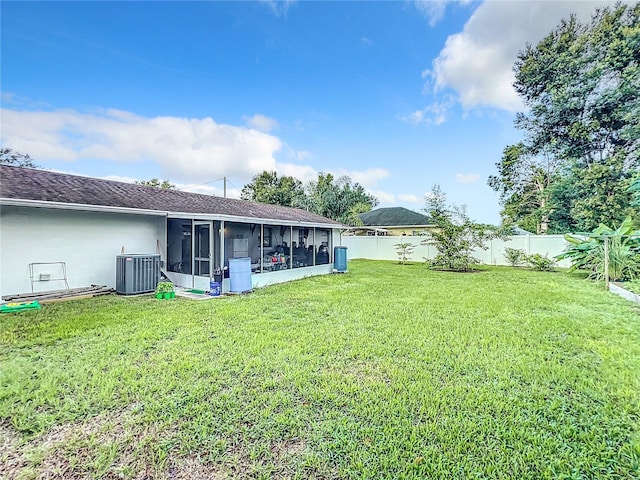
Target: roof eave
x,y
139,211
20,202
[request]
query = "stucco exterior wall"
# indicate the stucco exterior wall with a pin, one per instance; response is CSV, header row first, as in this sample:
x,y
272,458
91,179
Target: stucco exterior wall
x,y
87,241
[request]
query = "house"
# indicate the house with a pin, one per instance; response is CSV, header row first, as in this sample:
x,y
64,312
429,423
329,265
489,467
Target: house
x,y
47,218
393,221
516,230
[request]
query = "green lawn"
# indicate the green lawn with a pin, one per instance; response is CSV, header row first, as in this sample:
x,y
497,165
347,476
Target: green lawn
x,y
388,371
633,286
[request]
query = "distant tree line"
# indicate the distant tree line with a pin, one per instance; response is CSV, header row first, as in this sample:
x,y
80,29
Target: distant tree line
x,y
340,198
14,158
156,183
578,164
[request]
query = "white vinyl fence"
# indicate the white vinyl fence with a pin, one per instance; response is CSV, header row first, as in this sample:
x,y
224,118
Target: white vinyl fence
x,y
382,248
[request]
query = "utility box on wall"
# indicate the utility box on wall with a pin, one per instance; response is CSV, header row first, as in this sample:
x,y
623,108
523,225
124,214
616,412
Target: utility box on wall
x,y
137,273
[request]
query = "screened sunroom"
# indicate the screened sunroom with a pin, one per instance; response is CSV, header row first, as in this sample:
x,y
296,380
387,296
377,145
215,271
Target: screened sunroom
x,y
199,250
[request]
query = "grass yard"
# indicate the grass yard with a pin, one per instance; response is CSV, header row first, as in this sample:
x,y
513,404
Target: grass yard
x,y
387,372
633,286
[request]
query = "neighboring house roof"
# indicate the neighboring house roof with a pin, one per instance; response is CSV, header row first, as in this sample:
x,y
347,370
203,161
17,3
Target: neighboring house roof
x,y
45,186
519,231
394,217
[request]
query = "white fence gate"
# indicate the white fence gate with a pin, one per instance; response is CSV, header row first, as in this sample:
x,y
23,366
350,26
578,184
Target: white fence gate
x,y
382,248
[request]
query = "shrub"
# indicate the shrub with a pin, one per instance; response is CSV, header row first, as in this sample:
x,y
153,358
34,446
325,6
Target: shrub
x,y
456,238
515,256
456,235
404,251
164,287
587,253
541,262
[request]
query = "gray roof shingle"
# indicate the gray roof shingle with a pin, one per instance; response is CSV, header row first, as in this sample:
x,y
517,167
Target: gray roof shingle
x,y
34,184
393,217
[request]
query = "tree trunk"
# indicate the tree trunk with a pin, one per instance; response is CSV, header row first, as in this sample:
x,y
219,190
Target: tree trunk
x,y
543,227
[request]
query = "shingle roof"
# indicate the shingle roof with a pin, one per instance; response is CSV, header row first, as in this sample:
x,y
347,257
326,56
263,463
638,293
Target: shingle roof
x,y
393,217
33,184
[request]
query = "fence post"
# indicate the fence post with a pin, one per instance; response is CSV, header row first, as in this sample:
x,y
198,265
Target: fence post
x,y
606,262
491,259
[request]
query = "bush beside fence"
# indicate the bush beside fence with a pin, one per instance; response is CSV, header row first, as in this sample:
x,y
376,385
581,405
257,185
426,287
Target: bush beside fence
x,y
382,248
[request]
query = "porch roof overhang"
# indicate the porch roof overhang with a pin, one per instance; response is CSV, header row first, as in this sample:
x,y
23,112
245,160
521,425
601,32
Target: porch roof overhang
x,y
242,219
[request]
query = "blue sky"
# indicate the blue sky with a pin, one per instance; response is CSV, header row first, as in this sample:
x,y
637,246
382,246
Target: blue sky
x,y
397,95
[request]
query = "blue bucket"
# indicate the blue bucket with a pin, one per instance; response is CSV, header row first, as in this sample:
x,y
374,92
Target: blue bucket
x,y
340,259
215,288
240,274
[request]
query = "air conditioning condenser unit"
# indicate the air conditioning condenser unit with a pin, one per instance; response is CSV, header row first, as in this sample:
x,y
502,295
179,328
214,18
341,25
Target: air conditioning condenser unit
x,y
137,273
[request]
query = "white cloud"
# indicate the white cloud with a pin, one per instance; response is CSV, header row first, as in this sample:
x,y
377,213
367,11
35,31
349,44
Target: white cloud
x,y
367,178
297,155
185,149
278,7
304,173
477,62
467,178
432,10
409,198
385,198
303,155
392,199
189,151
262,123
434,114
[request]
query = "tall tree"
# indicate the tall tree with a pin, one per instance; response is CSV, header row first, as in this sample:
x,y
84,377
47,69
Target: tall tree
x,y
581,87
436,202
524,182
340,199
268,187
609,195
14,158
635,190
154,182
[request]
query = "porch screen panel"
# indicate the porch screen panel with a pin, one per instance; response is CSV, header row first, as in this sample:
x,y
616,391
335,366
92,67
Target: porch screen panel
x,y
242,240
323,241
179,245
302,247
